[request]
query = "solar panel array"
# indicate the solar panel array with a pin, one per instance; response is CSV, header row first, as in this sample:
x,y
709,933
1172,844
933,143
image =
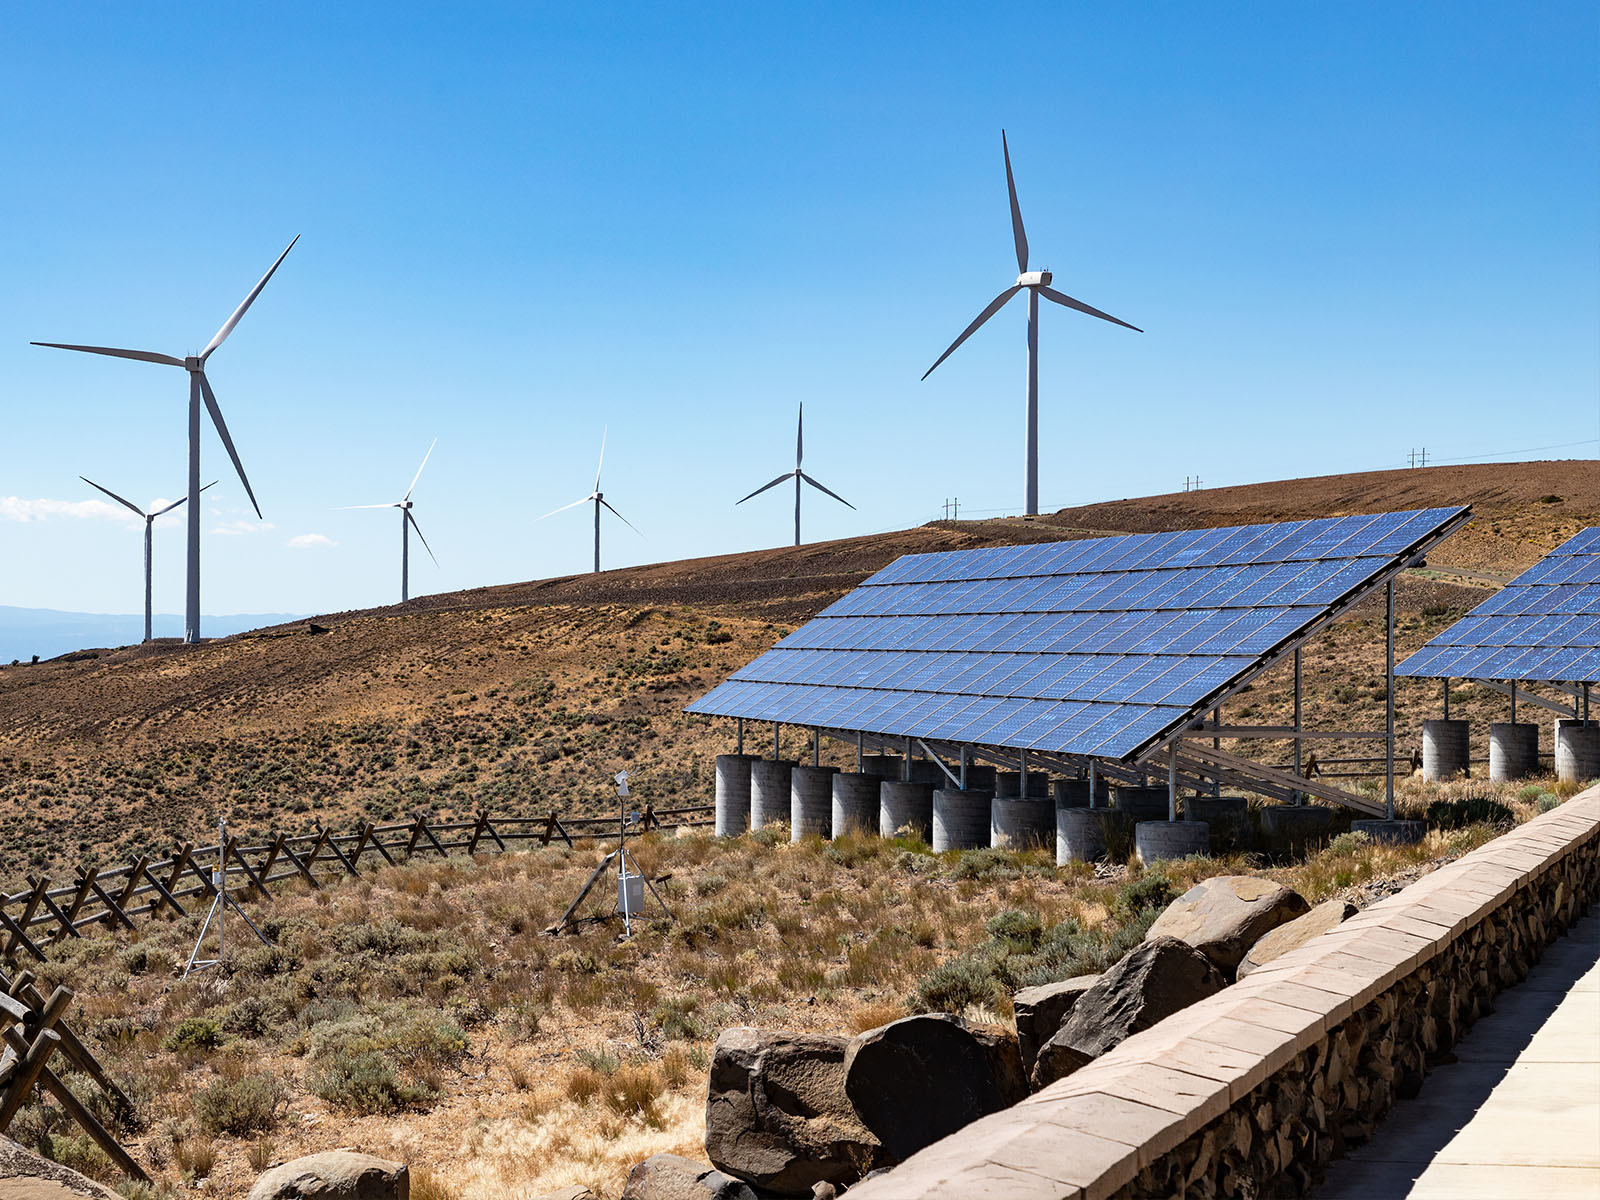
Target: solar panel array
x,y
1542,626
1089,647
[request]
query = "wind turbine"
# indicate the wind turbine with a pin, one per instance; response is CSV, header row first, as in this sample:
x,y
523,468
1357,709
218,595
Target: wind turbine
x,y
199,391
1037,284
407,523
599,499
798,475
149,520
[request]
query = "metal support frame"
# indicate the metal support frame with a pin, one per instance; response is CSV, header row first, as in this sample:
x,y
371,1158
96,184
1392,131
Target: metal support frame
x,y
816,747
1299,724
861,753
775,754
1388,766
1513,701
963,768
1022,774
739,749
1526,697
939,762
1172,783
1093,782
1446,682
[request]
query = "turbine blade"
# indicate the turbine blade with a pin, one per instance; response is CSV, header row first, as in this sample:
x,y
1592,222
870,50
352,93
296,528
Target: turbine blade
x,y
423,540
800,437
820,488
564,507
222,432
176,503
142,355
114,496
765,486
418,475
621,518
995,306
1063,299
1018,234
348,507
227,326
602,461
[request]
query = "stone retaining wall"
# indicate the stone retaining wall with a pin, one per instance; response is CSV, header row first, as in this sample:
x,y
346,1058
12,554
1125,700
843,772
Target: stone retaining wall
x,y
1253,1090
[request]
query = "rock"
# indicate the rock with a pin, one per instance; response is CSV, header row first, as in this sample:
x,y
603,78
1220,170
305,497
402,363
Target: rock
x,y
673,1177
824,1191
575,1191
915,1080
335,1175
1040,1010
1155,980
1224,916
25,1175
777,1114
1296,933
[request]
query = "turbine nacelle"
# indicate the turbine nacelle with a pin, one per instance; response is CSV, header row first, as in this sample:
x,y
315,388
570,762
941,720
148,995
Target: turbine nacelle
x,y
1034,279
194,364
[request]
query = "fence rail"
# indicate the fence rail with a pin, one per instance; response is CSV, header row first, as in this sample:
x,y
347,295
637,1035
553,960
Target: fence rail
x,y
45,914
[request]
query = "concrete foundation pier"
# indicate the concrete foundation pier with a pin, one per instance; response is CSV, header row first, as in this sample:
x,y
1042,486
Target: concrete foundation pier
x,y
1396,833
926,771
961,818
1577,750
1229,818
1141,803
1444,749
1021,824
769,791
1008,785
1157,840
1291,828
1513,750
855,803
811,802
905,807
884,766
733,794
1074,793
980,778
1081,834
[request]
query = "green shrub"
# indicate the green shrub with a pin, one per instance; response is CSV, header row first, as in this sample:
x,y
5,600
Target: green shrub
x,y
1469,810
373,1060
985,863
1150,889
956,985
194,1033
240,1106
1352,841
1022,929
366,1082
1547,801
675,1017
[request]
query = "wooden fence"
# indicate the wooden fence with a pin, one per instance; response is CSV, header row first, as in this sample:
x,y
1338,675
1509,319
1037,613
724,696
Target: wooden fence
x,y
44,914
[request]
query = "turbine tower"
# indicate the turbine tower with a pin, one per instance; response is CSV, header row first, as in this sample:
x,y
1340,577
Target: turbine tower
x,y
149,520
1037,284
199,392
407,523
599,499
799,476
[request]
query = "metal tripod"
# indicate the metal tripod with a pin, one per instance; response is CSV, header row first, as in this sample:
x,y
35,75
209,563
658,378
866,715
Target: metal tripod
x,y
222,901
624,860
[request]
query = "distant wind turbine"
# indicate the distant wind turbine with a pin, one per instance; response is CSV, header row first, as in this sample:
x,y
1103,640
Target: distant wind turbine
x,y
798,475
149,520
599,499
199,391
1037,284
407,523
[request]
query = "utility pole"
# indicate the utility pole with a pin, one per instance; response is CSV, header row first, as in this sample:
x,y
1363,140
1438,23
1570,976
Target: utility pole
x,y
952,509
1191,485
1418,458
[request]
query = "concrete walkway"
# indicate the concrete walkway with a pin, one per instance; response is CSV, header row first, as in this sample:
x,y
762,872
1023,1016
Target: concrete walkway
x,y
1518,1115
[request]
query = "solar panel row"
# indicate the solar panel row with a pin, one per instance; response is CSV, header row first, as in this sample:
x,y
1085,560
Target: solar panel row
x,y
1543,625
1088,647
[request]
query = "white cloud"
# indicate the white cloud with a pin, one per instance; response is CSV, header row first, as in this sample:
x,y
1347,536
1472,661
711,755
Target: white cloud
x,y
15,508
238,528
309,541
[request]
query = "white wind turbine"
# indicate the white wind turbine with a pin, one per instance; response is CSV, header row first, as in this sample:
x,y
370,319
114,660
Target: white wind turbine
x,y
407,523
599,499
149,520
1037,284
199,392
798,476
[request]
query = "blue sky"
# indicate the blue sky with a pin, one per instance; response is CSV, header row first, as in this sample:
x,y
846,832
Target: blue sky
x,y
1348,230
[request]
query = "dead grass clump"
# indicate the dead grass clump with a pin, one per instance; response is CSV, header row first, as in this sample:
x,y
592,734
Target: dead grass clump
x,y
871,1016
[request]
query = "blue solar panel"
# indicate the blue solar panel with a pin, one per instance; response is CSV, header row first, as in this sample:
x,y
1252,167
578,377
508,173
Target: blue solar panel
x,y
1094,646
1542,626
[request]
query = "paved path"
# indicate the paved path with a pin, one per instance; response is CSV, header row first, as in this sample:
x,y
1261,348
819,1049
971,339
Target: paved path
x,y
1518,1115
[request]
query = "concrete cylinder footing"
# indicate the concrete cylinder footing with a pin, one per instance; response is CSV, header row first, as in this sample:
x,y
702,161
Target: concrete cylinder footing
x,y
1157,840
1291,828
1074,793
884,766
1081,834
905,808
855,804
980,778
926,771
1021,824
1229,818
1444,749
961,818
769,791
1396,833
1141,803
733,794
1513,750
811,802
1008,785
1577,750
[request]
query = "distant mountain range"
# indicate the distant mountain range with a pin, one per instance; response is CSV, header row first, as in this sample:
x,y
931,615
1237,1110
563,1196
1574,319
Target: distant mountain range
x,y
49,632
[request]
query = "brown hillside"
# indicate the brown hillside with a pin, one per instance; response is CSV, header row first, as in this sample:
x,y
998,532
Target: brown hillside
x,y
527,696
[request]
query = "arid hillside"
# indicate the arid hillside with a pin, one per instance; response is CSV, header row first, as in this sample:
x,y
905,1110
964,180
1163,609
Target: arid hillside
x,y
526,697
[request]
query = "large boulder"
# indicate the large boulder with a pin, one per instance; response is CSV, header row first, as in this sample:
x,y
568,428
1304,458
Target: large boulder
x,y
1295,933
777,1114
1224,916
915,1080
1040,1010
335,1175
1155,980
25,1175
673,1177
